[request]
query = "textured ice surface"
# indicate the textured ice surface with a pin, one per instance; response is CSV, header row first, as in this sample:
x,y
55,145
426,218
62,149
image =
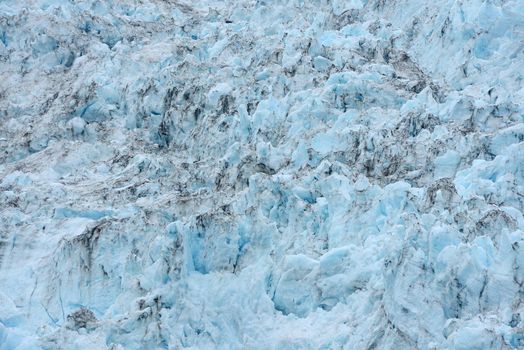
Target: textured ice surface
x,y
261,174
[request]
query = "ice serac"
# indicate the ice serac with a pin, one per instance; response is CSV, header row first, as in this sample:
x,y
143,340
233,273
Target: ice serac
x,y
261,174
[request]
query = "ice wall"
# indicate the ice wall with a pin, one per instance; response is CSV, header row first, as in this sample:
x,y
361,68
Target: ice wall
x,y
261,174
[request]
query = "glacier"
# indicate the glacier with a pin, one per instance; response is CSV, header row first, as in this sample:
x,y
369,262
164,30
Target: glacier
x,y
261,174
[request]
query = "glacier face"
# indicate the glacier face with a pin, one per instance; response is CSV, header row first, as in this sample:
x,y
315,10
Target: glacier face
x,y
261,174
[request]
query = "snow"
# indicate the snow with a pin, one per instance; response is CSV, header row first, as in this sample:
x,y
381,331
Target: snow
x,y
261,174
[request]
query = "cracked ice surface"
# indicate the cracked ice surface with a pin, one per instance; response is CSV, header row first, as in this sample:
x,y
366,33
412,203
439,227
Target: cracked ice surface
x,y
261,174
